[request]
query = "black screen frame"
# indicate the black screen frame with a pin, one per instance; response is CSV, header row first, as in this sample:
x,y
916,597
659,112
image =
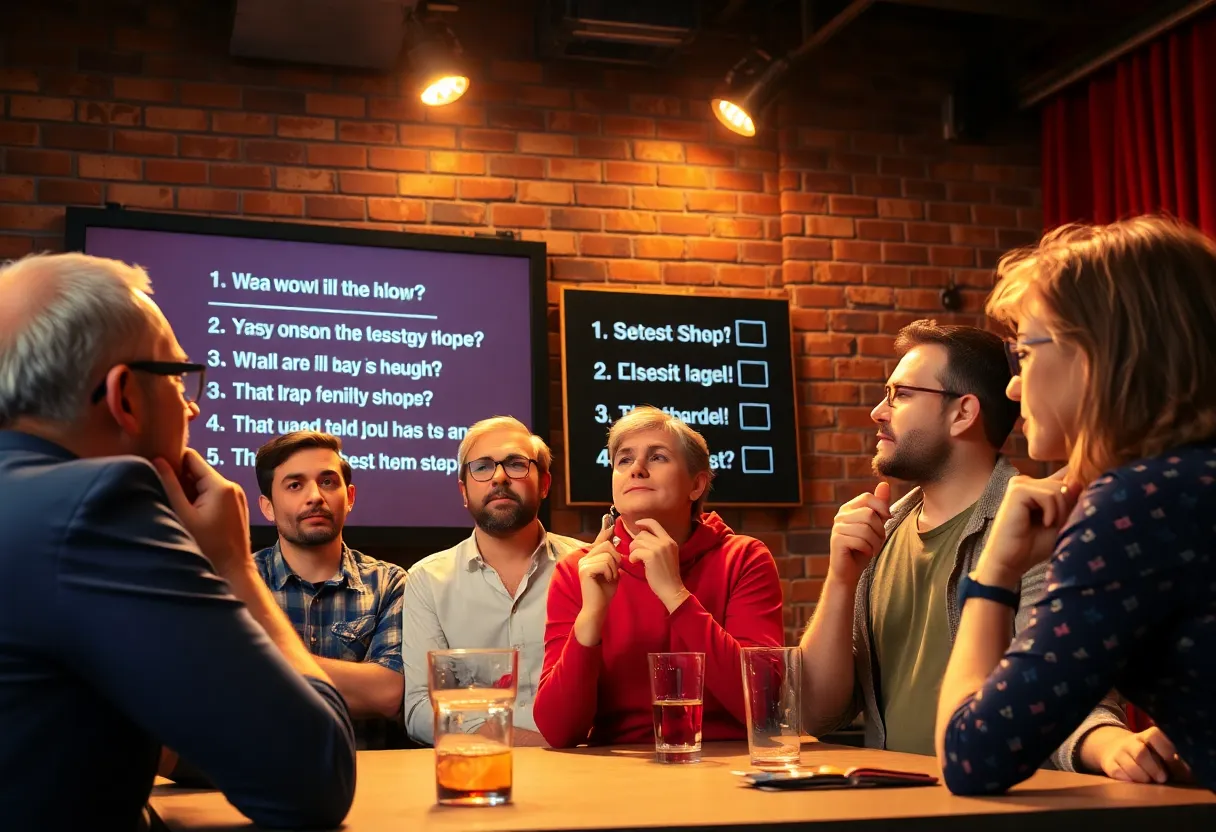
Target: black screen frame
x,y
414,539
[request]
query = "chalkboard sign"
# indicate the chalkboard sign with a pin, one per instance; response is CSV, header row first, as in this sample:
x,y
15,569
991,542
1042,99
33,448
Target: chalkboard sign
x,y
722,365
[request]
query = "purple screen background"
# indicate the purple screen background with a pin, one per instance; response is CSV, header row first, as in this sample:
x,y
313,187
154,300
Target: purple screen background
x,y
466,294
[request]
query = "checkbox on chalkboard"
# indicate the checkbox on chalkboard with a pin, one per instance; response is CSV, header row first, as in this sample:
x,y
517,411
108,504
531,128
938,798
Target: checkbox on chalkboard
x,y
752,373
751,333
757,459
754,416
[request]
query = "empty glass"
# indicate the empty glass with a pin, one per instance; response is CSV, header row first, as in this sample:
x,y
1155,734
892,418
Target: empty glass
x,y
772,686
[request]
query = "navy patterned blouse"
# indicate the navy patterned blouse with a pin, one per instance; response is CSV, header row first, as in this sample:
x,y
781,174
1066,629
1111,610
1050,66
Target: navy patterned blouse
x,y
1130,604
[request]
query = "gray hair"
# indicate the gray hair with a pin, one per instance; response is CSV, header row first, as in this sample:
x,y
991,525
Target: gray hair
x,y
50,358
544,457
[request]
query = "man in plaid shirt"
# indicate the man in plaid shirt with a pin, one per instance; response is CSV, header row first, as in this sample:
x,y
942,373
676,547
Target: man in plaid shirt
x,y
345,605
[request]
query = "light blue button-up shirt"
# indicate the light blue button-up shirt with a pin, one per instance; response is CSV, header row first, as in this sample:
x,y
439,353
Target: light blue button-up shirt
x,y
454,599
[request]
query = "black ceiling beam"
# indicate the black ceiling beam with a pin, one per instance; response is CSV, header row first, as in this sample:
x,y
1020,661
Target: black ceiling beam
x,y
1042,10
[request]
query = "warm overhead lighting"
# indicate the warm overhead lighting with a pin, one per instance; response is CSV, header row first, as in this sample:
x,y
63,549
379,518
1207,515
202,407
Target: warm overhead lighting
x,y
435,56
749,85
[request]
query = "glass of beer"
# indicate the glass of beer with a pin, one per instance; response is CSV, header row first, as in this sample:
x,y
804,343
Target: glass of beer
x,y
473,696
677,691
772,686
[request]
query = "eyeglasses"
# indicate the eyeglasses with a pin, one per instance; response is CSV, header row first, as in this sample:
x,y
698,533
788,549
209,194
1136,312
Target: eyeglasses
x,y
189,377
515,467
1013,350
894,390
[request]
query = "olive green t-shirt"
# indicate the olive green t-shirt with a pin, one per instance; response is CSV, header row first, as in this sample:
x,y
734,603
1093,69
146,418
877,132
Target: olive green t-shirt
x,y
911,631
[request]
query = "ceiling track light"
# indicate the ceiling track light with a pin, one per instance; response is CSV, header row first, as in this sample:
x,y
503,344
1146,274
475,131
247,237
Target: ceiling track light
x,y
749,86
437,62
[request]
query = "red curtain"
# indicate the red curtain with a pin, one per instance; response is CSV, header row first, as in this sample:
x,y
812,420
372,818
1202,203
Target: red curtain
x,y
1139,136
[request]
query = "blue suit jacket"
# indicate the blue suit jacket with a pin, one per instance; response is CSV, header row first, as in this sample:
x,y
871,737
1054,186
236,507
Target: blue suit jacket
x,y
116,637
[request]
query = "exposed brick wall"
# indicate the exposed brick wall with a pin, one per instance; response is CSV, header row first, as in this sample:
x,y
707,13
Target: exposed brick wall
x,y
849,203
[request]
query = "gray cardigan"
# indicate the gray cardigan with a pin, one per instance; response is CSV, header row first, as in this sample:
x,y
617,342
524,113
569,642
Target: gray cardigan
x,y
971,544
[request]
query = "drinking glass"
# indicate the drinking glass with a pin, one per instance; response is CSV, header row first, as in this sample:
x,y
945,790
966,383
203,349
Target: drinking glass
x,y
677,691
473,696
772,686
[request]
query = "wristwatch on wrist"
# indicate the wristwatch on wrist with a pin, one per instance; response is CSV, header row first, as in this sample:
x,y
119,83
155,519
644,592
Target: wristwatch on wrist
x,y
968,587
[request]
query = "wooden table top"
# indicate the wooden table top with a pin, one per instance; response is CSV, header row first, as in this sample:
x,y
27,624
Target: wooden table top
x,y
623,788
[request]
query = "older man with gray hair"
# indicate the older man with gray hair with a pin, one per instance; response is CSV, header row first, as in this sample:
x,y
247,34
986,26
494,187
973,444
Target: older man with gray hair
x,y
132,556
501,571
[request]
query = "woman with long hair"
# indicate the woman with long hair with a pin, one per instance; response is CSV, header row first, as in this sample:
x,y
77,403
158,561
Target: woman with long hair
x,y
1115,369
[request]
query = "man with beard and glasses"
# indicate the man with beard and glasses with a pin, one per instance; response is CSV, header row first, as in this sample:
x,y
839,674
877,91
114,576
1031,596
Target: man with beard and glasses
x,y
491,589
345,605
885,623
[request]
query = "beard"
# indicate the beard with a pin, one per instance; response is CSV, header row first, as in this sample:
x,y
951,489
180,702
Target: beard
x,y
919,457
504,520
318,536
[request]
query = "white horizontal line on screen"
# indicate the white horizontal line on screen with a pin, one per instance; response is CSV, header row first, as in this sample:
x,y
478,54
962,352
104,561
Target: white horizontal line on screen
x,y
326,311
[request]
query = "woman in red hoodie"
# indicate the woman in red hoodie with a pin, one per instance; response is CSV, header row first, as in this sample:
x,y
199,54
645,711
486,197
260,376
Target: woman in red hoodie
x,y
666,577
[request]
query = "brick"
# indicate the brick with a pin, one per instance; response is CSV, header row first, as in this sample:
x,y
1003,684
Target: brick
x,y
684,224
396,210
853,206
838,273
827,343
337,156
143,89
24,80
601,196
835,392
31,217
140,196
659,248
518,167
444,161
877,186
175,118
583,170
900,209
75,137
952,256
208,200
1010,238
590,148
969,235
274,204
335,207
888,275
919,299
400,159
681,131
647,151
240,176
635,126
360,182
209,147
108,167
658,199
968,192
42,108
999,215
275,153
857,250
927,232
904,253
13,247
435,187
303,179
630,173
760,253
688,273
16,189
945,212
794,202
818,226
175,171
838,443
835,183
547,98
503,141
899,166
546,144
828,139
605,245
870,296
880,230
486,189
738,227
634,271
723,250
518,216
458,213
16,133
713,202
826,296
520,72
876,345
69,192
710,156
396,109
683,177
737,180
38,162
636,221
506,117
568,268
245,124
920,189
551,193
287,102
227,96
1014,197
306,127
328,104
943,171
753,276
806,248
576,219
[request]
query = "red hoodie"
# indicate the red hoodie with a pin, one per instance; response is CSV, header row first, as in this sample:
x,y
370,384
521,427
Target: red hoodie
x,y
601,694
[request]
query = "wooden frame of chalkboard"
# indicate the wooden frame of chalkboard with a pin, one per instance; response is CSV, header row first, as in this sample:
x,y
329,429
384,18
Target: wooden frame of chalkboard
x,y
785,490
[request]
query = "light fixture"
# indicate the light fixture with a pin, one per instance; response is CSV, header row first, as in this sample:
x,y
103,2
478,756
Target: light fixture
x,y
749,86
436,58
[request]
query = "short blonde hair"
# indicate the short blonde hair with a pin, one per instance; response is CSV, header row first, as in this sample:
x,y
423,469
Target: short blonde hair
x,y
1138,299
692,444
540,450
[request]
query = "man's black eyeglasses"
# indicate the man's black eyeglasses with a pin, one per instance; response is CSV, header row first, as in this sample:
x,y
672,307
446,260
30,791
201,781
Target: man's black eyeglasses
x,y
893,391
515,467
190,377
1013,350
